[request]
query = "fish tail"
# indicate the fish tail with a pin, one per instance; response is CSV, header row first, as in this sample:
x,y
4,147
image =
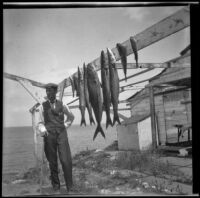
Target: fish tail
x,y
116,119
108,122
125,78
92,120
83,121
99,129
137,63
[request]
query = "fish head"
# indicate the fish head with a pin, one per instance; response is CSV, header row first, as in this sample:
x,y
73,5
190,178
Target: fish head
x,y
91,71
118,45
111,57
104,62
121,49
81,74
84,71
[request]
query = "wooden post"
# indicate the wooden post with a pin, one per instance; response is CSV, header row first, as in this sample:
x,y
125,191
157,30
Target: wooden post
x,y
62,88
153,119
32,111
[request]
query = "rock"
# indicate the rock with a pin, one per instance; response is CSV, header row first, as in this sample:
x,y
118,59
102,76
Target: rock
x,y
113,172
113,158
89,163
104,191
166,190
138,189
98,150
145,184
19,181
183,152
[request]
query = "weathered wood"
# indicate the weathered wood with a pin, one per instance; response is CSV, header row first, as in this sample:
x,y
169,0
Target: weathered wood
x,y
119,109
156,93
72,101
17,78
186,101
119,114
166,27
139,73
184,73
153,119
62,88
31,90
122,88
136,118
170,25
161,120
32,111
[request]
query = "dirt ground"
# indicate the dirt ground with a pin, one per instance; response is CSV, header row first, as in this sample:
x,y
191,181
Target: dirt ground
x,y
104,172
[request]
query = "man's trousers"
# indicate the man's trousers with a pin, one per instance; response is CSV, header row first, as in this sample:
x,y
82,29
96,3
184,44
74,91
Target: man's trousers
x,y
57,140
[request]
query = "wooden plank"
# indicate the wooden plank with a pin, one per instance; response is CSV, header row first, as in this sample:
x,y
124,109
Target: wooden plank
x,y
153,118
186,101
119,114
179,75
62,88
17,78
166,27
156,93
181,61
31,90
119,109
139,73
72,101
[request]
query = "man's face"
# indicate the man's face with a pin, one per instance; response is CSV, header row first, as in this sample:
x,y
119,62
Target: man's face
x,y
51,93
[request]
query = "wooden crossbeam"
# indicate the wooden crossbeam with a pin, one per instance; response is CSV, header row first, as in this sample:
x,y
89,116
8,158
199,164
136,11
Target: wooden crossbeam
x,y
131,76
150,65
119,114
120,109
166,27
17,78
175,76
62,90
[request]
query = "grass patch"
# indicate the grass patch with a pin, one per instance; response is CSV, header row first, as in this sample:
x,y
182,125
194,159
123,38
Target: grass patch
x,y
82,154
145,162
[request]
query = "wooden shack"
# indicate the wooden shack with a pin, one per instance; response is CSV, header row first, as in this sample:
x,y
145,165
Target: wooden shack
x,y
167,101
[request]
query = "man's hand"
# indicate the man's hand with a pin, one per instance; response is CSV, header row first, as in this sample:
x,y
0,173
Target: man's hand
x,y
44,133
42,130
68,124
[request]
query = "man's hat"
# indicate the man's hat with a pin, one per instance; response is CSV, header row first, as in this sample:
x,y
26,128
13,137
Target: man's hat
x,y
51,85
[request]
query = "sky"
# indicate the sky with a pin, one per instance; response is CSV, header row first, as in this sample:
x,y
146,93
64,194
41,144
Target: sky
x,y
47,45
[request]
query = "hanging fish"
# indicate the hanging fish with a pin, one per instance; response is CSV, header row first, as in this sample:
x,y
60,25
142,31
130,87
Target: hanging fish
x,y
72,85
81,96
87,101
105,80
122,52
95,96
134,48
114,85
75,80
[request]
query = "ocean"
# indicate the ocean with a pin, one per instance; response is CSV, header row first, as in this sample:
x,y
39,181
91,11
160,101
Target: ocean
x,y
18,144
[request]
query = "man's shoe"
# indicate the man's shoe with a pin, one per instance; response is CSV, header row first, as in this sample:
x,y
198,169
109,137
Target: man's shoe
x,y
70,188
56,187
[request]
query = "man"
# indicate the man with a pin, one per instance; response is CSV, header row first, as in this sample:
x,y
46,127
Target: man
x,y
52,127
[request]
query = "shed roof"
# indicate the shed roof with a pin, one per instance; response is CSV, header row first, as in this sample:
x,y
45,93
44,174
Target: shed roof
x,y
184,51
135,119
182,72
